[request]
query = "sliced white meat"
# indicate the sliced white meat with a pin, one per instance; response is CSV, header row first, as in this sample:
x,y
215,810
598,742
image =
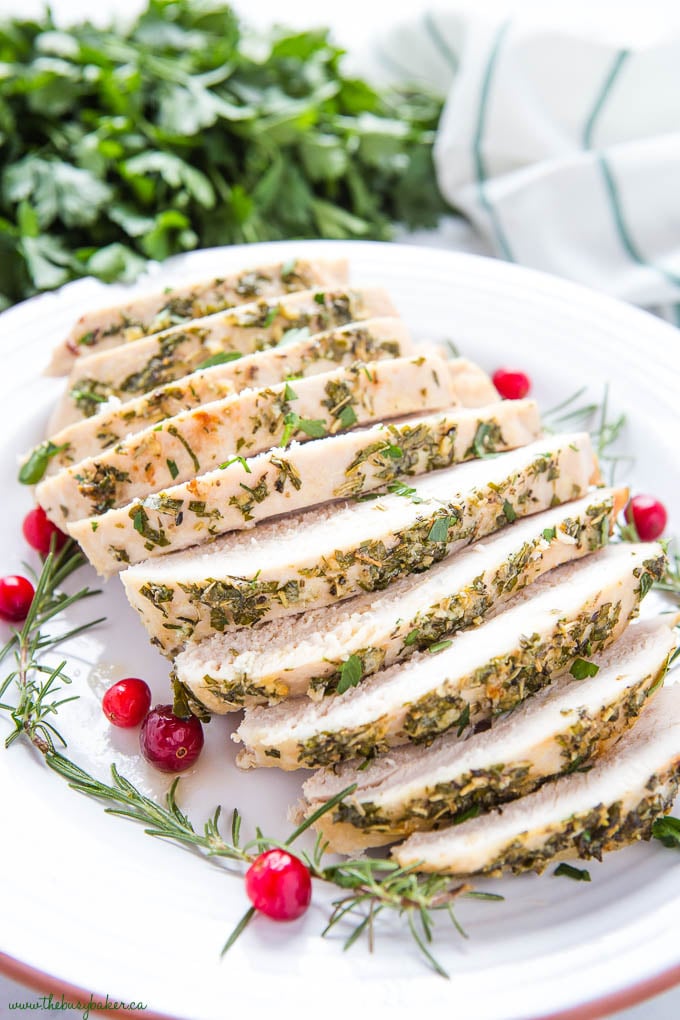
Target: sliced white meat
x,y
561,729
574,612
372,340
127,371
150,313
283,480
309,655
322,556
243,424
581,815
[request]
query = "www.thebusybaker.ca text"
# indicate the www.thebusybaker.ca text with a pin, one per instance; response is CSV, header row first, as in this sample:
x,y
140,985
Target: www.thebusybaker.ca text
x,y
84,1008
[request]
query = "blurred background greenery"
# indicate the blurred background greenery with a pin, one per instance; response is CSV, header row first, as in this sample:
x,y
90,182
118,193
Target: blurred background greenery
x,y
186,129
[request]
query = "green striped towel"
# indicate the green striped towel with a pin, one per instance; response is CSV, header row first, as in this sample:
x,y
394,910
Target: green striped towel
x,y
561,147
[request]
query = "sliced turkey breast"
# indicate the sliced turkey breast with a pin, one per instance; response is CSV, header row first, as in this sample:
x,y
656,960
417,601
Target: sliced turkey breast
x,y
322,556
311,654
581,815
244,424
283,480
371,340
574,612
150,313
138,367
560,730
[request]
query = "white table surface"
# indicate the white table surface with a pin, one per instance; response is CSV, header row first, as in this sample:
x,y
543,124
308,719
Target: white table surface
x,y
354,22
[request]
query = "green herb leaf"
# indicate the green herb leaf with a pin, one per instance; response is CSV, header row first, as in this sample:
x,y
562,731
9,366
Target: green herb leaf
x,y
313,427
221,358
407,491
440,646
509,512
581,669
667,830
35,467
483,443
172,468
463,720
646,582
289,393
237,460
347,417
439,532
577,874
471,812
351,673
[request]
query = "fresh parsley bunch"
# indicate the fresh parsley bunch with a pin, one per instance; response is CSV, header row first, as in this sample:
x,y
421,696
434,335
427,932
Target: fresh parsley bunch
x,y
184,131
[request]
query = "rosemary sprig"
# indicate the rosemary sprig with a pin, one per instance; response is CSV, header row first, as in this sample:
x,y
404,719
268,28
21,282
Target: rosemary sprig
x,y
369,886
594,418
37,685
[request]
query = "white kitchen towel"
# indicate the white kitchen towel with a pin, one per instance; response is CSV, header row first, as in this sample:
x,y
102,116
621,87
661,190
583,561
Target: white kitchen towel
x,y
560,145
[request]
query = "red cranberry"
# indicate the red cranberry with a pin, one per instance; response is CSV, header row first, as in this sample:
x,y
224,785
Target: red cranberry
x,y
38,531
16,595
168,742
279,885
126,702
648,515
511,385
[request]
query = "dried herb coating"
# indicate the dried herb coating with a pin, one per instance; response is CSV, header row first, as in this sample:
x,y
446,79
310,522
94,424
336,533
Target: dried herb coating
x,y
447,802
99,484
593,833
501,684
464,608
369,566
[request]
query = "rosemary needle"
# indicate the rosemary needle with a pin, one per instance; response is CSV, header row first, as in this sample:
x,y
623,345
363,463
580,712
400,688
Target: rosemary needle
x,y
369,886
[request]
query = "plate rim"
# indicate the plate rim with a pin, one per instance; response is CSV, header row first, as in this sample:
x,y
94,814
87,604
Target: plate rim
x,y
592,1009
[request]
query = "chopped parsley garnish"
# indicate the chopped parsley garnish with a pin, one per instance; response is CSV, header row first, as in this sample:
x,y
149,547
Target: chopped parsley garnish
x,y
463,720
509,512
407,491
351,673
35,467
667,831
577,874
581,669
315,428
222,358
237,460
347,417
440,646
439,532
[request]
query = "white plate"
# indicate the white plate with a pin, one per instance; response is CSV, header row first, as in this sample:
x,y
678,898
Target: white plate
x,y
94,902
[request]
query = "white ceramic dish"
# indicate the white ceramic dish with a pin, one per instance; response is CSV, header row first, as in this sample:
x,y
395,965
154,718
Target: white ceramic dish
x,y
93,902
